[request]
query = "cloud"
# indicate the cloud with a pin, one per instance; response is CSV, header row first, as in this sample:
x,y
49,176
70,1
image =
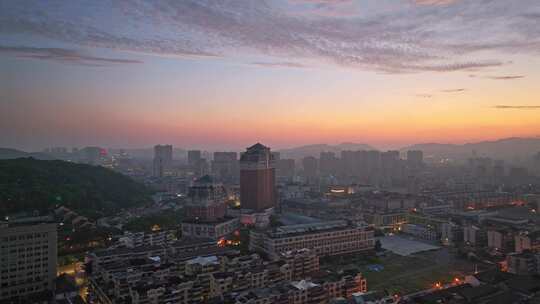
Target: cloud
x,y
508,77
279,64
62,55
388,36
454,90
424,95
329,2
517,107
451,67
434,2
327,8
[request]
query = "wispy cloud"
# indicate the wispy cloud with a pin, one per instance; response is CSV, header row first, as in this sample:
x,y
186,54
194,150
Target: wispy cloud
x,y
327,8
516,107
434,2
509,77
279,64
435,35
424,95
454,90
62,55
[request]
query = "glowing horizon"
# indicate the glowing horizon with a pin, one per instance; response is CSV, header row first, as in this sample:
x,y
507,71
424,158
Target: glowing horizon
x,y
210,74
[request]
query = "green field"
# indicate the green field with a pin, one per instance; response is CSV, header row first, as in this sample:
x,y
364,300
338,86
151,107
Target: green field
x,y
405,275
401,274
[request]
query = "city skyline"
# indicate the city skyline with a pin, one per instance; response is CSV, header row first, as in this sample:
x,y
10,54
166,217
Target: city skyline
x,y
286,73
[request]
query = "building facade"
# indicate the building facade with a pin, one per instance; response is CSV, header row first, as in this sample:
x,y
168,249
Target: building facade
x,y
206,211
225,166
28,255
257,178
324,238
162,159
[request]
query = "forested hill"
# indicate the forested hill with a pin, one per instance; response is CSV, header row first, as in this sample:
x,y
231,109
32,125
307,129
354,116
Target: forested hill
x,y
28,184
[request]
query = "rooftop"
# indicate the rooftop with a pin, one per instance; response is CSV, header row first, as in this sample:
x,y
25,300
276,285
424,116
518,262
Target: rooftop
x,y
257,147
209,260
473,293
493,276
310,228
303,285
403,246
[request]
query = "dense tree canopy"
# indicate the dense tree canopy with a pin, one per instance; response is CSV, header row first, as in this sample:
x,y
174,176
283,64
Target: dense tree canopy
x,y
28,184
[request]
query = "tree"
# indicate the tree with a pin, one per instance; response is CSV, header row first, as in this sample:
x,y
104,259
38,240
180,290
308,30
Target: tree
x,y
378,246
274,221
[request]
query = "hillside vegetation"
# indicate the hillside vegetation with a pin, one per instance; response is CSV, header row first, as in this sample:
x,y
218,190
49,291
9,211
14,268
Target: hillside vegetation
x,y
28,184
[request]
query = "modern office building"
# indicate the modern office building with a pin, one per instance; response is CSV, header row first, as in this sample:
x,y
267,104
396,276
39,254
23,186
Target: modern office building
x,y
324,238
27,259
257,178
197,163
205,211
225,166
91,155
311,167
415,158
285,169
207,200
390,163
194,156
373,162
162,159
328,163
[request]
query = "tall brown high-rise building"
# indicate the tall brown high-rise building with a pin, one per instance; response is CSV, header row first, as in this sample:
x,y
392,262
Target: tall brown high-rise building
x,y
257,178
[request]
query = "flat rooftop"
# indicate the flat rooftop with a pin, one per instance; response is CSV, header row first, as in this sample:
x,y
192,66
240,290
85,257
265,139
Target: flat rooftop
x,y
403,246
289,218
309,228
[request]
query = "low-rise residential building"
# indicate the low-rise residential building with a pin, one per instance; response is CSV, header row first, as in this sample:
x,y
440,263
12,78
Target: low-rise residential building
x,y
202,274
500,239
474,236
374,297
325,238
302,262
138,239
525,263
492,286
341,285
527,241
320,290
420,231
451,233
101,258
214,230
382,219
473,200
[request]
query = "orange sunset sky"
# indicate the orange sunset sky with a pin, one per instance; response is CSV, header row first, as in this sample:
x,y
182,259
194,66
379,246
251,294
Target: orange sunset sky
x,y
224,74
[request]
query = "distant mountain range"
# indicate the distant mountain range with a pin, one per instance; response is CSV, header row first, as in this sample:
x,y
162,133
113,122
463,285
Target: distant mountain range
x,y
315,150
7,153
143,153
510,149
148,153
513,149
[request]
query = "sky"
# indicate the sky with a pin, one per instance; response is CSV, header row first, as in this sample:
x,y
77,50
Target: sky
x,y
225,74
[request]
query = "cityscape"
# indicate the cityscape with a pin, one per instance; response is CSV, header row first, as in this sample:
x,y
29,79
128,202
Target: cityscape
x,y
280,151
